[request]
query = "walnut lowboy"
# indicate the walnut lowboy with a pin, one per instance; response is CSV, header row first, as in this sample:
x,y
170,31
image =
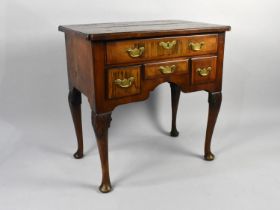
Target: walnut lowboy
x,y
120,63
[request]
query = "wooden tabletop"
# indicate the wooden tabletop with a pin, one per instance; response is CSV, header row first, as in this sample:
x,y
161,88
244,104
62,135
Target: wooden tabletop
x,y
143,29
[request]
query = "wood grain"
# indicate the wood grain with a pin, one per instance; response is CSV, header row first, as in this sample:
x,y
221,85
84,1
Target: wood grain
x,y
117,50
152,70
141,29
203,62
114,90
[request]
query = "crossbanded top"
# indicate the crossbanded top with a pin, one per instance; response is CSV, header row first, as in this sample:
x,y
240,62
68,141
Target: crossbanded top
x,y
141,29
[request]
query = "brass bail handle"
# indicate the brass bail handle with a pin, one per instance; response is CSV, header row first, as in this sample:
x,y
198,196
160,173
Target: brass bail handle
x,y
204,72
124,83
136,52
168,45
196,46
167,69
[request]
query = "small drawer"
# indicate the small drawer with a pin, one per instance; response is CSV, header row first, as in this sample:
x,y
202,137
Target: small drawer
x,y
203,70
123,81
167,68
201,44
170,47
128,51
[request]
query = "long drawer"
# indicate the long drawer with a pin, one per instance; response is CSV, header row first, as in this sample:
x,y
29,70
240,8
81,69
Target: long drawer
x,y
137,50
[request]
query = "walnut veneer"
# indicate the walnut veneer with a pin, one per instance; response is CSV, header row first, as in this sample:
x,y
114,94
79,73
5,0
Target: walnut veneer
x,y
119,63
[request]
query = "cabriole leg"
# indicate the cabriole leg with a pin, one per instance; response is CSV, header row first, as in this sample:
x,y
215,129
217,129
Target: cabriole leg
x,y
75,100
214,100
175,96
101,123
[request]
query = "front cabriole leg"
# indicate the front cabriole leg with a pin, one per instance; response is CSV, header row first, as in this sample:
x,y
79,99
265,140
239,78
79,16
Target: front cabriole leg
x,y
101,123
214,100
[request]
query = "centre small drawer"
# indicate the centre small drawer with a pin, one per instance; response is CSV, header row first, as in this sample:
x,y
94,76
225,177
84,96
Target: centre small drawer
x,y
166,68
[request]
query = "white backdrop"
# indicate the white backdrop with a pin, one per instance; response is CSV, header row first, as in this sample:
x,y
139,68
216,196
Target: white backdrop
x,y
149,170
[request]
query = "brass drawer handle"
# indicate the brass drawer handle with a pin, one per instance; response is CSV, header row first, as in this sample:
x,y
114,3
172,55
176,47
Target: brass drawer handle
x,y
125,83
204,72
168,45
136,52
196,46
167,69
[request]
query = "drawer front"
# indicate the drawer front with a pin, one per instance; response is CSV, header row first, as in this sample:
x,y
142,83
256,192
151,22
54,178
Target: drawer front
x,y
167,68
128,51
201,45
167,47
203,70
160,48
123,82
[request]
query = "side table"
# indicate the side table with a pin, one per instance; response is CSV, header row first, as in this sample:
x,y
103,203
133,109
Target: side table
x,y
120,63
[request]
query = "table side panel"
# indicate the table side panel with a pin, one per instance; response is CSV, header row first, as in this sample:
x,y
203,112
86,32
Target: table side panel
x,y
80,64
